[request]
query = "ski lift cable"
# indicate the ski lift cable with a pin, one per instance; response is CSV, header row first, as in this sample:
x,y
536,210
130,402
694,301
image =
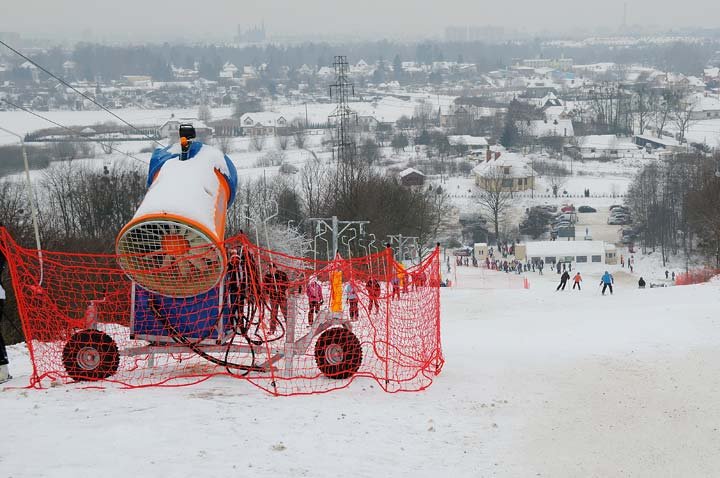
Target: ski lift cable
x,y
109,146
87,97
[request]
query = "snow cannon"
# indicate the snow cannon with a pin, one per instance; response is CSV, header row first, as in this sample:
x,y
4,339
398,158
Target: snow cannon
x,y
173,246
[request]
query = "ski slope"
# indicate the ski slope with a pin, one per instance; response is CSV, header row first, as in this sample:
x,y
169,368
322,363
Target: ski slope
x,y
537,383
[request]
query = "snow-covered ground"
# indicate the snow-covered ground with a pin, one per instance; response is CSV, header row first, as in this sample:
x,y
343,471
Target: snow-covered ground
x,y
537,383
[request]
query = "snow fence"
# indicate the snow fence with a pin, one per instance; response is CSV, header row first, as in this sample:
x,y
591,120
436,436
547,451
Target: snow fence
x,y
86,321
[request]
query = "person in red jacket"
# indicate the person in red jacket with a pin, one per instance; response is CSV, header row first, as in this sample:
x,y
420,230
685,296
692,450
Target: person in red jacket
x,y
576,281
373,291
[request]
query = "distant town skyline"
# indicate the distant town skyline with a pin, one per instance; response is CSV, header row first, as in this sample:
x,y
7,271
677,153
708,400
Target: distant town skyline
x,y
138,21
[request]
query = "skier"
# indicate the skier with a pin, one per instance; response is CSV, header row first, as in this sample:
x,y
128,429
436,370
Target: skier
x,y
576,281
4,373
373,290
557,266
395,287
607,282
667,274
563,281
673,276
315,298
352,300
641,283
276,283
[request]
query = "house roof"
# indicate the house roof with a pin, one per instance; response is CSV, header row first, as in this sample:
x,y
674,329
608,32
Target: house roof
x,y
409,171
705,103
556,127
467,140
519,166
264,118
193,121
667,142
605,142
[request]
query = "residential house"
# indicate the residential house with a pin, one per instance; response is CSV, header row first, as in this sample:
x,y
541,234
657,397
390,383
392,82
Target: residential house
x,y
262,123
509,171
651,142
544,128
171,129
604,146
705,106
476,145
411,177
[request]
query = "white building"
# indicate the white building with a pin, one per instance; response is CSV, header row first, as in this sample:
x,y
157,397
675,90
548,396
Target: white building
x,y
510,169
475,144
171,129
544,128
578,252
605,146
705,107
263,123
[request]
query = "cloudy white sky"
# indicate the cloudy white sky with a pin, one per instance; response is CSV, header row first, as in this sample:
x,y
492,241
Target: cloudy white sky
x,y
154,20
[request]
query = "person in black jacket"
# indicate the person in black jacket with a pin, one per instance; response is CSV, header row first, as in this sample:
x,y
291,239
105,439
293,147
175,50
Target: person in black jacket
x,y
641,283
563,280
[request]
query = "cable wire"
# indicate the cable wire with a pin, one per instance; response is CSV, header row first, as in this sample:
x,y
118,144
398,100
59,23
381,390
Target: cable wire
x,y
109,146
89,98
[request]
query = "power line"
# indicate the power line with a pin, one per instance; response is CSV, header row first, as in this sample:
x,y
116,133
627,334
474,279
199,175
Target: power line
x,y
109,146
89,98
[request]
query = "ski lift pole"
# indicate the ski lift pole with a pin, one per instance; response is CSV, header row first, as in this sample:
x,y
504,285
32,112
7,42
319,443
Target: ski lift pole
x,y
347,241
318,235
31,196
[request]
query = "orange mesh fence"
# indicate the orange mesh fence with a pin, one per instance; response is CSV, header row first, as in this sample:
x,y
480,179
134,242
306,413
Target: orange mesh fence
x,y
696,277
288,325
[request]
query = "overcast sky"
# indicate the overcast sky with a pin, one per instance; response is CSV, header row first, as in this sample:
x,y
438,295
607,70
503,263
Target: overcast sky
x,y
155,20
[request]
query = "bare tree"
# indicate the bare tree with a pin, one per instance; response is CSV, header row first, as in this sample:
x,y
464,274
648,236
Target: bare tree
x,y
257,142
224,144
282,140
108,145
494,198
423,112
314,186
204,112
643,101
299,136
683,116
665,106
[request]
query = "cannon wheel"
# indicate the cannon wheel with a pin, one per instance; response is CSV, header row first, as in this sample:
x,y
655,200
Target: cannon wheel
x,y
90,355
338,353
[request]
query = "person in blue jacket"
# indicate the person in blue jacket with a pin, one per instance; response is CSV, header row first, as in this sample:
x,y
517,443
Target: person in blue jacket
x,y
607,282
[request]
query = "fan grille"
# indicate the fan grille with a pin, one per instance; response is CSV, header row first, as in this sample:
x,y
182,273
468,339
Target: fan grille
x,y
170,258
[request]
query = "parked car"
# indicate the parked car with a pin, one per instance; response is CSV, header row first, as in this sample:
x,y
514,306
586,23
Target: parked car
x,y
619,220
617,207
567,209
548,208
586,209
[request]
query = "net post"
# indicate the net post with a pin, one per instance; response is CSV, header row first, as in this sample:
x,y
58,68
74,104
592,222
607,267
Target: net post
x,y
388,300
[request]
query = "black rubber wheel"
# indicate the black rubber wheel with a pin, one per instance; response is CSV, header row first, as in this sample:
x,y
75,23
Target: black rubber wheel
x,y
338,353
90,355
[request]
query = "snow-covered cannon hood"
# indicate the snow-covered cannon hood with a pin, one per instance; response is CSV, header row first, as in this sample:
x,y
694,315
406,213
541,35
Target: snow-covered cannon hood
x,y
173,244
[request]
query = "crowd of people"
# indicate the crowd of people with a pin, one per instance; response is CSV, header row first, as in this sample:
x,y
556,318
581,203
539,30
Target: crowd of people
x,y
275,288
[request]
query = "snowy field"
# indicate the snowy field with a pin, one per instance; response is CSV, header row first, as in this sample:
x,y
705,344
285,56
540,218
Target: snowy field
x,y
537,383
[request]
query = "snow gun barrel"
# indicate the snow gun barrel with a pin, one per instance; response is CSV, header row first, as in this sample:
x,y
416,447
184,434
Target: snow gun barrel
x,y
174,244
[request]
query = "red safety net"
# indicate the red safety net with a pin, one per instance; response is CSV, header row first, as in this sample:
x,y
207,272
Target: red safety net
x,y
288,325
697,276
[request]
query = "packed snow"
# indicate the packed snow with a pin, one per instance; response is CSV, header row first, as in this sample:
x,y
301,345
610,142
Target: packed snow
x,y
536,383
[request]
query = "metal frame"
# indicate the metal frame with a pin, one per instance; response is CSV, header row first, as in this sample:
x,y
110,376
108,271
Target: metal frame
x,y
290,348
